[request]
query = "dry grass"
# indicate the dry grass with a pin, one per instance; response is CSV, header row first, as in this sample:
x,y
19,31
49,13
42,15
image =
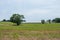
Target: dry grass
x,y
29,31
29,35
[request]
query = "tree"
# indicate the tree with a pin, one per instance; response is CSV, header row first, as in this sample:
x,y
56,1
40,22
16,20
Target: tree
x,y
4,20
56,20
7,20
49,21
42,21
16,18
53,20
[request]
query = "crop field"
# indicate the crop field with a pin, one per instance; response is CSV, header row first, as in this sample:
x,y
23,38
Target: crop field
x,y
29,31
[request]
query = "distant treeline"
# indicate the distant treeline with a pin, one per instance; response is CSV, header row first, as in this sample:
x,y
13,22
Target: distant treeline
x,y
4,20
56,20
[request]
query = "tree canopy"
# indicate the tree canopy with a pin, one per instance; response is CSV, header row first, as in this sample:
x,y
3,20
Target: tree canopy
x,y
56,20
42,21
16,18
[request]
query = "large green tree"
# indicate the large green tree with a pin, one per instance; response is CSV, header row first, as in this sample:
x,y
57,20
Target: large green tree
x,y
56,20
16,18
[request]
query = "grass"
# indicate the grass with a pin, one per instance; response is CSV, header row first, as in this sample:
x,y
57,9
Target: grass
x,y
30,27
25,31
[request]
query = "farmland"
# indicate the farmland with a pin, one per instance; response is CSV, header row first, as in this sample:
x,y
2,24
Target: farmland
x,y
29,31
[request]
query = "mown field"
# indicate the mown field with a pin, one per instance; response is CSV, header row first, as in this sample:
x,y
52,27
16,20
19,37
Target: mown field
x,y
29,31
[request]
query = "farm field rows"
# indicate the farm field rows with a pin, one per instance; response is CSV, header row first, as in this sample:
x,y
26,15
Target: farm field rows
x,y
29,31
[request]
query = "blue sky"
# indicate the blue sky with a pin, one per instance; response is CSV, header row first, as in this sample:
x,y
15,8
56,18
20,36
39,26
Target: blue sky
x,y
33,10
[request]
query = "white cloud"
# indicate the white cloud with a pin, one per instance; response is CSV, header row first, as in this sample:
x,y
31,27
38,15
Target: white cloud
x,y
11,2
15,1
37,11
40,2
35,14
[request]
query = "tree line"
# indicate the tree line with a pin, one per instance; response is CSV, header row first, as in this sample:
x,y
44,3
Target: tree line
x,y
55,20
18,19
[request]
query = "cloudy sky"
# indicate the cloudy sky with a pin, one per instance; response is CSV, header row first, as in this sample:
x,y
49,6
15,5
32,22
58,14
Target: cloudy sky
x,y
33,10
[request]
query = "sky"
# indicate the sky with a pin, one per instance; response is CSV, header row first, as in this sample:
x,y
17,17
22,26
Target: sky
x,y
33,10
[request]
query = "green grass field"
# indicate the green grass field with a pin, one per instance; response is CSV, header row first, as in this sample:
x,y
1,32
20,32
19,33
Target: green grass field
x,y
29,31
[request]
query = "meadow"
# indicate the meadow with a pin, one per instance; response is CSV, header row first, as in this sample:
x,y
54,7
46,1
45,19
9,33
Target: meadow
x,y
29,31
